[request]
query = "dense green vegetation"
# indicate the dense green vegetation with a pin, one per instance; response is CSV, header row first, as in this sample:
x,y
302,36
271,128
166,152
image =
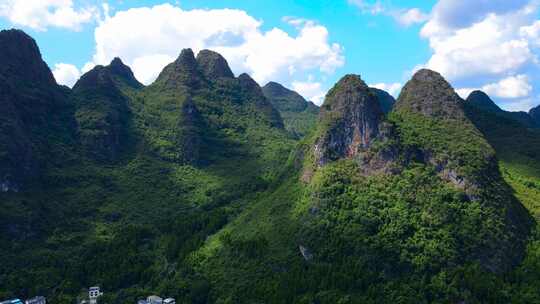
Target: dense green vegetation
x,y
195,187
299,116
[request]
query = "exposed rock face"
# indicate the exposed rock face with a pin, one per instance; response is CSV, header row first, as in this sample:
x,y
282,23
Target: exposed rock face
x,y
183,74
213,65
34,111
349,118
386,100
102,111
430,94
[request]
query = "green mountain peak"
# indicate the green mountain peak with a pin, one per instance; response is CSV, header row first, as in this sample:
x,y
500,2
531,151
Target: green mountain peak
x,y
213,65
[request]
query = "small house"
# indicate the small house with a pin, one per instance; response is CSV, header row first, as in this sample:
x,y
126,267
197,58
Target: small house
x,y
154,300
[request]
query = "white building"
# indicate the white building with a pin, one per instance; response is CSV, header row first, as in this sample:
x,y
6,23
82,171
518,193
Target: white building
x,y
93,294
169,301
154,300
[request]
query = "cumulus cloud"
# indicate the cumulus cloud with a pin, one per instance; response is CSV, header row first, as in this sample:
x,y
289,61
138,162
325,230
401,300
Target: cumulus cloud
x,y
510,87
392,88
456,14
42,14
266,55
66,74
490,45
311,90
517,86
524,104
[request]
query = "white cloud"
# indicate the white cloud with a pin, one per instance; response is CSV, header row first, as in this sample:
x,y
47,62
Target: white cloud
x,y
510,87
266,55
41,14
464,92
531,33
456,14
410,16
310,90
518,105
66,74
490,47
392,88
494,43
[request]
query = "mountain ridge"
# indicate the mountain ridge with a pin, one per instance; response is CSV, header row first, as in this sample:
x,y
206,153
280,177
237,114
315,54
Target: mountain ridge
x,y
196,187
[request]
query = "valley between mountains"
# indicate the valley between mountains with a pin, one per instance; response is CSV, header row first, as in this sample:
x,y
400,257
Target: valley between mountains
x,y
209,188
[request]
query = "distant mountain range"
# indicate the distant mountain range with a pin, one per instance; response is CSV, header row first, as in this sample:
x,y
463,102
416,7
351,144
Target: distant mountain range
x,y
208,188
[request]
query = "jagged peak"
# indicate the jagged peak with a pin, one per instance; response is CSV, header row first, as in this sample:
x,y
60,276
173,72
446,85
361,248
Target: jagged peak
x,y
276,87
248,83
213,65
428,93
349,89
20,59
183,73
349,121
97,77
118,68
186,57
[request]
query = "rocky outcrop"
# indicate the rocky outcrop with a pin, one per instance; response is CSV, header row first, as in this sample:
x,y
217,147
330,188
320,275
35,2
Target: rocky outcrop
x,y
430,94
349,121
386,100
213,65
183,75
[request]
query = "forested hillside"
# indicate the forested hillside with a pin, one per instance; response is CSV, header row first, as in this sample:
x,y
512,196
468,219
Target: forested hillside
x,y
205,187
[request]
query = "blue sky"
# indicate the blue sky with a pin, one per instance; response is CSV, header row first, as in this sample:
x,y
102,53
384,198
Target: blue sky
x,y
305,44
